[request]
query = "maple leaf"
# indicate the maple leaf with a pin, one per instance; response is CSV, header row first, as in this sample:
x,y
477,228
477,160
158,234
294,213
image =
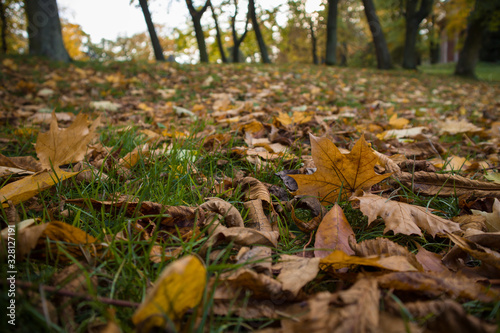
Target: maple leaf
x,y
404,218
179,288
337,171
62,146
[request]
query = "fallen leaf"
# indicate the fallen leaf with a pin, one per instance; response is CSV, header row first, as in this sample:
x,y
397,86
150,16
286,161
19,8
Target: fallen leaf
x,y
62,146
493,218
338,172
296,272
44,240
404,218
179,288
453,127
31,185
338,259
333,233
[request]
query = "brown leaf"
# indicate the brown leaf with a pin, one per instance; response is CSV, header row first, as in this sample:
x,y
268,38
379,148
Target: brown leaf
x,y
296,272
431,184
493,218
179,288
404,218
62,146
231,215
30,186
338,259
231,284
486,255
333,233
437,284
448,316
257,218
337,171
431,262
45,239
383,247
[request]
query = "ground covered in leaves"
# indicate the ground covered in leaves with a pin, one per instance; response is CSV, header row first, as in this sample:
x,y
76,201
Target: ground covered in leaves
x,y
248,198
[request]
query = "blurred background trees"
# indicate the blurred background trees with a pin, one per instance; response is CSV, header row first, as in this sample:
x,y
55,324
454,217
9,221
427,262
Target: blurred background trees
x,y
363,33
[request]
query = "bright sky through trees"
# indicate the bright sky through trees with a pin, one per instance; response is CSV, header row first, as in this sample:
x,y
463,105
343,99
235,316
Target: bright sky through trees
x,y
112,18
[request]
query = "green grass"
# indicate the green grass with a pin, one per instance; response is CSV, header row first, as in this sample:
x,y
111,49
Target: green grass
x,y
489,72
127,271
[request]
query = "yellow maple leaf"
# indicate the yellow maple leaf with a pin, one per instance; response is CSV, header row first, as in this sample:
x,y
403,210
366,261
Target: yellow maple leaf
x,y
62,146
337,171
179,288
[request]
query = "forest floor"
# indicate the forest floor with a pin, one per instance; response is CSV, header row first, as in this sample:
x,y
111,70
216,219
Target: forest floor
x,y
216,198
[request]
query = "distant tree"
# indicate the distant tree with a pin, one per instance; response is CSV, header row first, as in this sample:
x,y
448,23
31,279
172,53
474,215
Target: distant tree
x,y
258,34
3,27
314,41
381,49
152,32
331,33
44,30
483,14
74,39
198,29
237,40
413,19
218,35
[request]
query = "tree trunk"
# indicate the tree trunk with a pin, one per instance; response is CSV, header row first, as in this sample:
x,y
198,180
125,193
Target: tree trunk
x,y
314,42
413,19
152,32
469,54
258,34
44,30
331,33
381,50
3,27
198,30
237,41
218,36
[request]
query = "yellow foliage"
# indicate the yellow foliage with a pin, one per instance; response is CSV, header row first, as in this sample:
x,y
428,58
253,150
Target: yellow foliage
x,y
73,38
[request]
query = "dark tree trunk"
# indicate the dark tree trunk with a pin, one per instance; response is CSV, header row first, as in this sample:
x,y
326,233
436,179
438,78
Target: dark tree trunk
x,y
434,47
3,27
314,42
198,30
237,41
381,50
218,36
152,32
413,19
343,54
331,33
44,30
469,54
258,34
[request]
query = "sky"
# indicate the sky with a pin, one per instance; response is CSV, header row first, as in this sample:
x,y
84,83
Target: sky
x,y
112,18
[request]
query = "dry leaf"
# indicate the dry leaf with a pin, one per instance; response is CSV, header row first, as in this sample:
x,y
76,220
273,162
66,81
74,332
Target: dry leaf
x,y
179,287
431,184
32,239
62,146
338,259
333,233
404,218
383,247
30,186
337,171
493,218
296,272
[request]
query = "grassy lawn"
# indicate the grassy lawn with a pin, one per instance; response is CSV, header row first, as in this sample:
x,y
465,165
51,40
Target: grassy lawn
x,y
170,137
485,71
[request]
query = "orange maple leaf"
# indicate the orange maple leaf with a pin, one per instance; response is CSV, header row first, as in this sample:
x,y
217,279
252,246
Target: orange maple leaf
x,y
337,171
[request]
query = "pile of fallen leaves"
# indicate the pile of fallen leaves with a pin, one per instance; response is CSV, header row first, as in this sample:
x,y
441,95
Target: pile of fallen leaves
x,y
376,143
